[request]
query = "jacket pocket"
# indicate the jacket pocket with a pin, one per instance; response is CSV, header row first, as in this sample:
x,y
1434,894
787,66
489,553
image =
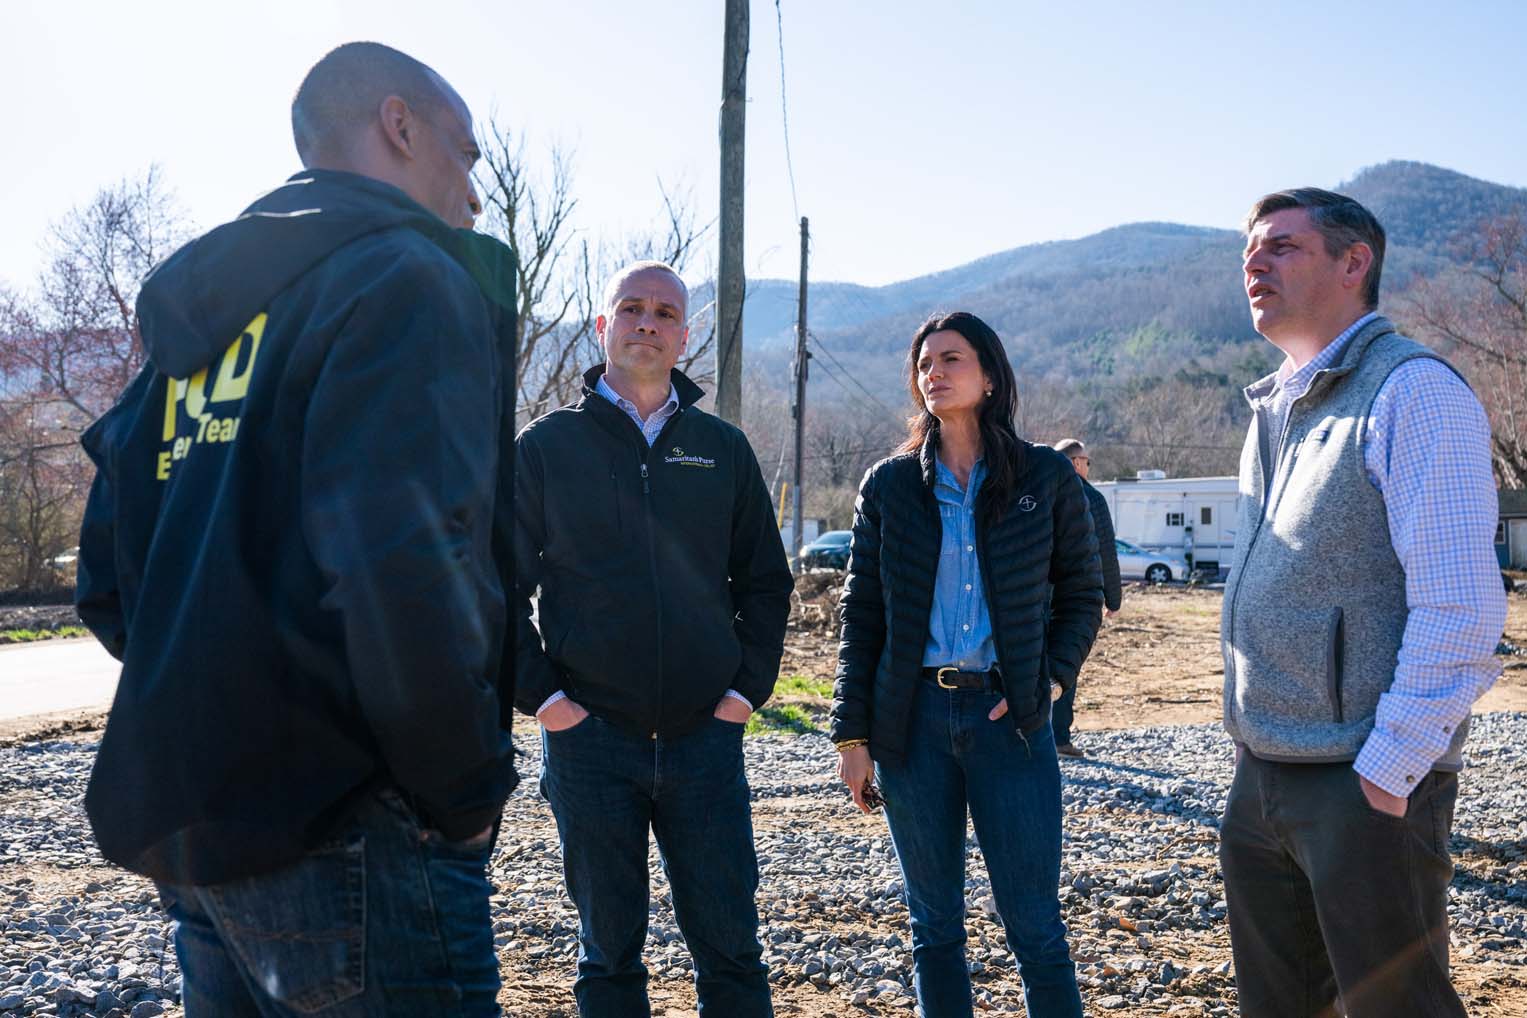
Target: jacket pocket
x,y
1335,661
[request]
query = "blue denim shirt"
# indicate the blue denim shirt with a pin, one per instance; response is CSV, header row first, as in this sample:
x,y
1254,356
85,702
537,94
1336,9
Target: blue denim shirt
x,y
959,627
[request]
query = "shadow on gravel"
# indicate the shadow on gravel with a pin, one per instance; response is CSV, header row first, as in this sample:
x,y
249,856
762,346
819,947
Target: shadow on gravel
x,y
1141,798
1466,850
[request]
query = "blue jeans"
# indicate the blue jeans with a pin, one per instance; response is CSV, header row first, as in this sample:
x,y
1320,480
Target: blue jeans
x,y
1011,783
383,919
1061,713
608,787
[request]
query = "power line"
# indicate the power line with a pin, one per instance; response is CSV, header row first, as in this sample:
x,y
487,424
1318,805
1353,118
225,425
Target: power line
x,y
841,367
841,384
784,109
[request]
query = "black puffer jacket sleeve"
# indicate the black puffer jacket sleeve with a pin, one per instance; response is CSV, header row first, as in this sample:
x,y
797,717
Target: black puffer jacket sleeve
x,y
1108,555
1076,606
862,612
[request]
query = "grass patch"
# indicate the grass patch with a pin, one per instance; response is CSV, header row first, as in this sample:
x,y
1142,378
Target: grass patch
x,y
34,635
803,685
782,719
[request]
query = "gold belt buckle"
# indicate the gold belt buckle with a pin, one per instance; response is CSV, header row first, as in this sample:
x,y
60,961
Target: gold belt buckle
x,y
940,677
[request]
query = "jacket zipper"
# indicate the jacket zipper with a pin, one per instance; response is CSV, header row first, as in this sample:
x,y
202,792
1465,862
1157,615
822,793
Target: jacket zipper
x,y
657,587
1270,469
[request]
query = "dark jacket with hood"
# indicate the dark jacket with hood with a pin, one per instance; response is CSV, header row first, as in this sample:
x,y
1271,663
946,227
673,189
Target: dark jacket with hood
x,y
1042,537
290,539
662,575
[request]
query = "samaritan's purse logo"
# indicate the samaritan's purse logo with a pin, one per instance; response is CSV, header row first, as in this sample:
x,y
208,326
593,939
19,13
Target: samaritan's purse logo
x,y
689,461
1027,503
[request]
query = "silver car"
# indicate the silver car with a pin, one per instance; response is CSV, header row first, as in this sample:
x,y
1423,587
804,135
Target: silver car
x,y
1135,563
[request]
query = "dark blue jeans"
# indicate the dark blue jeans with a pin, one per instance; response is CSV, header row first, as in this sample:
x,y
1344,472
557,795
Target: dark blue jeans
x,y
1011,783
383,919
1061,713
608,787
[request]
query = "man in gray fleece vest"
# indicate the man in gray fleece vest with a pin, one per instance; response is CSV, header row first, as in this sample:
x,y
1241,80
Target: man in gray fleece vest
x,y
1360,620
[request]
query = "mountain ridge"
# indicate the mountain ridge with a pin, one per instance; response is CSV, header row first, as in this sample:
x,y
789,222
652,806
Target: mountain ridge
x,y
1134,297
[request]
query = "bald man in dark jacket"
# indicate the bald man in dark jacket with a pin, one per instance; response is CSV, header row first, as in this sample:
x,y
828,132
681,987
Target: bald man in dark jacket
x,y
290,543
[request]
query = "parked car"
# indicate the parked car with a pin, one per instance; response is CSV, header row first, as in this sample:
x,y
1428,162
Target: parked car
x,y
1135,563
829,551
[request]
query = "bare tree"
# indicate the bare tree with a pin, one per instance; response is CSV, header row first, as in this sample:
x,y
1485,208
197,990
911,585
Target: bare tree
x,y
77,339
842,440
562,274
1047,411
43,480
67,349
1181,427
1480,312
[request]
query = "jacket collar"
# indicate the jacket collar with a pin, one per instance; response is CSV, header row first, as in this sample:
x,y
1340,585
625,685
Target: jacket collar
x,y
1350,357
689,392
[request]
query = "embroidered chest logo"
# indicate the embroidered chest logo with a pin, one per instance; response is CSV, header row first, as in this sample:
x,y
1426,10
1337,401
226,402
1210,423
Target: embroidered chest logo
x,y
685,460
1027,503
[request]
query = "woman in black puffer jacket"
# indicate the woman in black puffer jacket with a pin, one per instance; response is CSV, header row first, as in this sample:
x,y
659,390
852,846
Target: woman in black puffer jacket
x,y
973,590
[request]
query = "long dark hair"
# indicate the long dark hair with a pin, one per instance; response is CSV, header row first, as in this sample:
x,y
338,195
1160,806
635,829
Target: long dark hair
x,y
999,442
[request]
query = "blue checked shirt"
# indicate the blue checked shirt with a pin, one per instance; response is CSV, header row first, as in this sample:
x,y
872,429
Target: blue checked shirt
x,y
650,428
1427,451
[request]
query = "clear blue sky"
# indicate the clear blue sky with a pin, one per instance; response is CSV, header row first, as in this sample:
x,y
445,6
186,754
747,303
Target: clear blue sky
x,y
924,134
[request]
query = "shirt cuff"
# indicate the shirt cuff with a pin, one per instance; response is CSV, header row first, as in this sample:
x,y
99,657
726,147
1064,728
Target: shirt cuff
x,y
553,698
1390,765
739,697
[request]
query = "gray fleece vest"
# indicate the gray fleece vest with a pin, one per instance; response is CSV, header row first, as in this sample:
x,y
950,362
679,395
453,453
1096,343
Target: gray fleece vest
x,y
1315,610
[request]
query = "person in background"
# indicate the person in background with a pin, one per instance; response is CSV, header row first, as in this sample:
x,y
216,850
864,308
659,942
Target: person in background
x,y
290,545
1102,525
1359,626
950,648
664,592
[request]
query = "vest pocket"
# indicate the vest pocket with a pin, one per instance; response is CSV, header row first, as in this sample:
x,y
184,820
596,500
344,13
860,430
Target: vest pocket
x,y
1335,660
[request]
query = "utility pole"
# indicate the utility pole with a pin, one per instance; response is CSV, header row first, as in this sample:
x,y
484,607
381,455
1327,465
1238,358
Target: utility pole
x,y
730,285
802,355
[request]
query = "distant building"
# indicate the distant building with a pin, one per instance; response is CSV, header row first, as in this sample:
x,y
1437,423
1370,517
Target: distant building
x,y
1194,517
1511,531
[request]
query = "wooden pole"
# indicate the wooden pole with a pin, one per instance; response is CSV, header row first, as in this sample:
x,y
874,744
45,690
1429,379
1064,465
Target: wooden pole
x,y
730,283
802,356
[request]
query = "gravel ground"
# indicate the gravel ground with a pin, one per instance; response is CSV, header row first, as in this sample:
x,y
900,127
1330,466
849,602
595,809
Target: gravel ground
x,y
1140,889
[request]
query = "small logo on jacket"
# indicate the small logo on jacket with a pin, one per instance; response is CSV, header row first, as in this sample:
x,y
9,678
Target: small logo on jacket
x,y
1027,503
689,461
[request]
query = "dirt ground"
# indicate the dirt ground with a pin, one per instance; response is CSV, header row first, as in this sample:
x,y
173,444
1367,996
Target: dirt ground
x,y
1156,662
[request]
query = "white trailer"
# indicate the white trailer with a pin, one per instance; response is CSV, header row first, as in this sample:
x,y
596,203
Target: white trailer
x,y
1192,516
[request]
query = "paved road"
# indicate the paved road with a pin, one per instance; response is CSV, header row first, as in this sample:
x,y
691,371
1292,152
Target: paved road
x,y
55,675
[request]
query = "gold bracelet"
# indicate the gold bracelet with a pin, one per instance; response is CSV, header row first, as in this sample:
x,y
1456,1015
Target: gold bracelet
x,y
850,744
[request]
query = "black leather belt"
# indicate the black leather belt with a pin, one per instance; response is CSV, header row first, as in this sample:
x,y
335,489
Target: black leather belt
x,y
950,677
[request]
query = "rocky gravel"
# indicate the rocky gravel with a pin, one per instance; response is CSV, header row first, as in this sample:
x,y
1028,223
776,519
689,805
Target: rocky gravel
x,y
1140,888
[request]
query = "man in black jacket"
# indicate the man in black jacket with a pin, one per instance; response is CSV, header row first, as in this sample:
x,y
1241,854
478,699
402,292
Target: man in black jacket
x,y
290,545
664,592
1102,524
